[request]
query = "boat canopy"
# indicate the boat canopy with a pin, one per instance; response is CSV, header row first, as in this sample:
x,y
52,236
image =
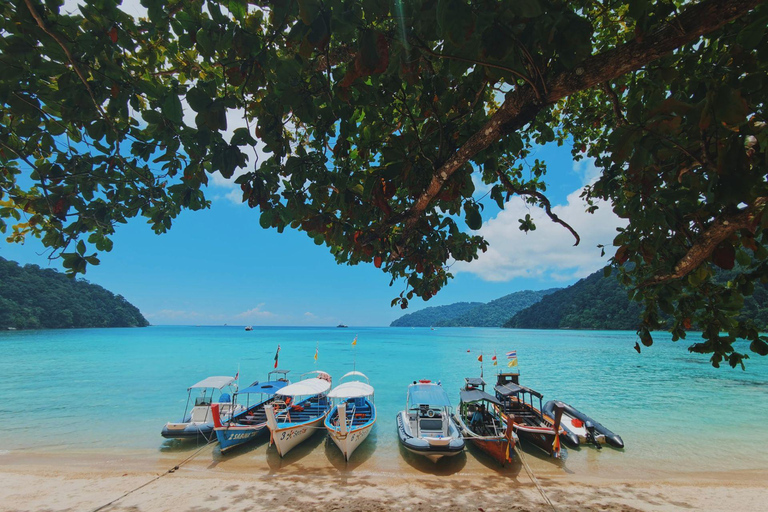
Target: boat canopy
x,y
271,387
513,389
428,394
306,387
474,381
280,371
475,395
352,389
213,382
359,374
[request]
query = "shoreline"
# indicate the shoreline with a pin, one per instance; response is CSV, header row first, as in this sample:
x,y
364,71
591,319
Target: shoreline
x,y
38,482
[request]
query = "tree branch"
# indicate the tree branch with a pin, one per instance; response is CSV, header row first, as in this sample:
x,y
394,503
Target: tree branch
x,y
719,231
542,199
520,106
71,58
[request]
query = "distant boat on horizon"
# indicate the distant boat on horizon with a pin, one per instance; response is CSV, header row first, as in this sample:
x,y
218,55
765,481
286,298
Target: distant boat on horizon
x,y
342,326
248,327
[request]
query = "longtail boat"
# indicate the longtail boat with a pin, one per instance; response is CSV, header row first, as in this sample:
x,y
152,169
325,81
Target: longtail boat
x,y
482,422
350,422
530,423
246,425
290,420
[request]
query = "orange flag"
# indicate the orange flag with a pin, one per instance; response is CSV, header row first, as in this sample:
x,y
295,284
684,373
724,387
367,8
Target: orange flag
x,y
480,358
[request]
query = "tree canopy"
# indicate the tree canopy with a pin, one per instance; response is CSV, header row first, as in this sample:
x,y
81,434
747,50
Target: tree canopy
x,y
374,115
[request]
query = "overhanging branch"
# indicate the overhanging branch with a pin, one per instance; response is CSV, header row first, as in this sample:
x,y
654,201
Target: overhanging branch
x,y
521,106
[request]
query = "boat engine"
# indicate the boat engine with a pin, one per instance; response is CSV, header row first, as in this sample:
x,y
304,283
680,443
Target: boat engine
x,y
591,437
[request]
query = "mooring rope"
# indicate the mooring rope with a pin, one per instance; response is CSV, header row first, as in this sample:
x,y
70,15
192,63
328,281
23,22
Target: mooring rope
x,y
533,477
158,477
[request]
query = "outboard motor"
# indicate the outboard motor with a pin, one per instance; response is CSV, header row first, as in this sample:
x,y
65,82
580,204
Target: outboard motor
x,y
591,437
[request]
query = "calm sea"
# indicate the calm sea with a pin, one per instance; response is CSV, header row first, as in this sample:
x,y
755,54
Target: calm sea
x,y
112,390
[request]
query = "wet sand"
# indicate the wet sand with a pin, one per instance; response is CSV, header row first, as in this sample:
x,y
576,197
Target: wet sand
x,y
315,477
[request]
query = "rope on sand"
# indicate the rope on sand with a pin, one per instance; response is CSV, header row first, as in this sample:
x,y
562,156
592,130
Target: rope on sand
x,y
533,477
158,477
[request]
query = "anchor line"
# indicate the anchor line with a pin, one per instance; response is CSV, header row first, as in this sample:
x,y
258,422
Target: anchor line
x,y
158,477
533,478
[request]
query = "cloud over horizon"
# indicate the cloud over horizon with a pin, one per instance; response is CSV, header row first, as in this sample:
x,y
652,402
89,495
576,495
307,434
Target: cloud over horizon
x,y
547,252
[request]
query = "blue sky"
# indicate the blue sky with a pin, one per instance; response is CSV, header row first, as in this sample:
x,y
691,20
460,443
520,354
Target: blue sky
x,y
219,266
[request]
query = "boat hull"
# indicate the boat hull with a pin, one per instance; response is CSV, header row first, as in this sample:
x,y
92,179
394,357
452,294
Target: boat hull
x,y
288,437
348,439
432,448
600,434
543,437
188,431
349,442
232,436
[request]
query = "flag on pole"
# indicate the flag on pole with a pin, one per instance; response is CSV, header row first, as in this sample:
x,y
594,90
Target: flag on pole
x,y
512,354
354,342
480,358
237,375
276,354
316,349
512,363
495,362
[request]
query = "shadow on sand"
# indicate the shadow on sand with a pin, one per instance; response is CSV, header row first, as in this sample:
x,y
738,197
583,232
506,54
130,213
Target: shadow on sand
x,y
508,470
445,466
182,445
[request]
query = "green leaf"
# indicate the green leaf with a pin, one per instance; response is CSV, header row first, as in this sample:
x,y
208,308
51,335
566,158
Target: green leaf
x,y
473,218
730,106
238,8
172,108
526,8
759,346
81,248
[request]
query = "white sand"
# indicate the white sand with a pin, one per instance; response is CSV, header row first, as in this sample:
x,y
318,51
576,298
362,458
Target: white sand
x,y
259,480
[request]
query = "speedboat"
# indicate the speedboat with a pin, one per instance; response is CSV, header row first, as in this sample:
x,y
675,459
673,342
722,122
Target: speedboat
x,y
530,423
425,426
198,422
350,422
298,411
582,426
249,423
481,421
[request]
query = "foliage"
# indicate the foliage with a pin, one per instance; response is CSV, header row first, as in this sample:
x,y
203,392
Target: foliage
x,y
36,298
496,312
374,115
595,302
429,317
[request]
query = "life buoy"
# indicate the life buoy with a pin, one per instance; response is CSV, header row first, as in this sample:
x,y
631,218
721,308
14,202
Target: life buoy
x,y
430,413
425,381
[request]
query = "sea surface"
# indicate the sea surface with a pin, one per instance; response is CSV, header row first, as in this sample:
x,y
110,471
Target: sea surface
x,y
112,390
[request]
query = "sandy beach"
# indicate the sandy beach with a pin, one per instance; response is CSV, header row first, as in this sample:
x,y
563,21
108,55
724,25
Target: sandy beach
x,y
260,480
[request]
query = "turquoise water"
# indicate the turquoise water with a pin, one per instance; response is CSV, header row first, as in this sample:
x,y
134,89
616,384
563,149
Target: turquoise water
x,y
112,390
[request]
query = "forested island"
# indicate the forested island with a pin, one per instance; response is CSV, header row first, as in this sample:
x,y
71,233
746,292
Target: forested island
x,y
473,314
36,298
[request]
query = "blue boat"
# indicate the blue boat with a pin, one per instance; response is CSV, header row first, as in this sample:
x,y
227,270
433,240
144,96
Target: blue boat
x,y
246,425
350,422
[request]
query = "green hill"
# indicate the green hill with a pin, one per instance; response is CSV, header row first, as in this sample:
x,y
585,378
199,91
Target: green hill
x,y
598,302
429,317
496,312
35,298
472,314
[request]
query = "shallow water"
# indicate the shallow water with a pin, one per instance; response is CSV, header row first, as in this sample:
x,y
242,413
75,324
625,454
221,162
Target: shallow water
x,y
112,390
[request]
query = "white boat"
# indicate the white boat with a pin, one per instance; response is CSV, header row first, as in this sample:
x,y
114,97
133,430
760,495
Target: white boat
x,y
198,423
425,427
350,422
291,421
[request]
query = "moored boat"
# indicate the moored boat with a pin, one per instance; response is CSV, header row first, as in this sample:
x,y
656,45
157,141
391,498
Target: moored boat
x,y
350,422
585,428
425,427
249,423
481,421
530,423
291,421
197,423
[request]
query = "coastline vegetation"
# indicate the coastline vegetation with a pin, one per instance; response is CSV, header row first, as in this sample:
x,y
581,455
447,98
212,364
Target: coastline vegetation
x,y
39,298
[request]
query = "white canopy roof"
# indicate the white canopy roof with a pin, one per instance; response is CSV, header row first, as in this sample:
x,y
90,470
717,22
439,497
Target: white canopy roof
x,y
350,374
351,389
214,382
305,387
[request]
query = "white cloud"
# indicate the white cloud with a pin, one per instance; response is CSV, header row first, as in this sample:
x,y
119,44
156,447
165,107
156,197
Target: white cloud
x,y
587,170
256,312
310,316
547,252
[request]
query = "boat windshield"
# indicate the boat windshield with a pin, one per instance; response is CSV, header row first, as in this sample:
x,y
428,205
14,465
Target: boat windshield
x,y
427,394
